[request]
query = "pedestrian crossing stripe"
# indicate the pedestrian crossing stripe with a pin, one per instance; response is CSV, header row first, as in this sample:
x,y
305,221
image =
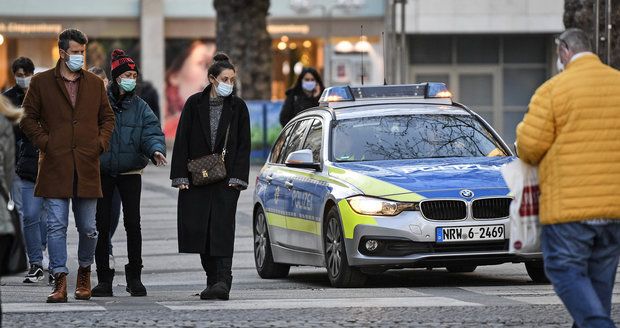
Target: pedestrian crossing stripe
x,y
50,307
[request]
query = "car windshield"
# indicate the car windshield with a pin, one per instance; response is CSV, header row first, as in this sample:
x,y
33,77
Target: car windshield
x,y
412,137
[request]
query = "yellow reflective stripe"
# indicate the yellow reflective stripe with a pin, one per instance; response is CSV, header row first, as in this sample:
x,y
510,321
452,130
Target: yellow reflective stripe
x,y
371,186
350,219
303,225
296,224
276,220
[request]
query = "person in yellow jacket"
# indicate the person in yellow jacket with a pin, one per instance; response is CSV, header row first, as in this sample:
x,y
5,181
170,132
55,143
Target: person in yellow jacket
x,y
572,133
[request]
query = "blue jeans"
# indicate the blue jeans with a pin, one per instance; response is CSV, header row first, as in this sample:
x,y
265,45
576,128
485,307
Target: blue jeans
x,y
57,211
581,261
34,223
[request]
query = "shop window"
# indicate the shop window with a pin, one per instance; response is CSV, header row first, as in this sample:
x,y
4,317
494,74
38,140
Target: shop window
x,y
521,83
476,89
445,78
525,49
430,49
511,119
477,49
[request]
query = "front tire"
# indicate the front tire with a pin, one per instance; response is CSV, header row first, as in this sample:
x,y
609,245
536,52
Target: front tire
x,y
338,270
536,271
263,258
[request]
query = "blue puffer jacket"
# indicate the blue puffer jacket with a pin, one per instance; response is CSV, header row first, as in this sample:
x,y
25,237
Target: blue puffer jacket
x,y
137,136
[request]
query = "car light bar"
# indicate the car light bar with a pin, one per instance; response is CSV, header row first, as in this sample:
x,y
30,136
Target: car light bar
x,y
421,90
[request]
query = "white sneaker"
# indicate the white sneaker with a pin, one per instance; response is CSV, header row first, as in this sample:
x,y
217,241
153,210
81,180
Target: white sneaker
x,y
46,260
112,262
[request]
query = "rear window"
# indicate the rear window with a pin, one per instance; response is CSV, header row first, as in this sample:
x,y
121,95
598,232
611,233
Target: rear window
x,y
412,137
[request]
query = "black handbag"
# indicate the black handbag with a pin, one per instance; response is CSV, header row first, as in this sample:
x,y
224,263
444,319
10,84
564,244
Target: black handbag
x,y
15,260
209,169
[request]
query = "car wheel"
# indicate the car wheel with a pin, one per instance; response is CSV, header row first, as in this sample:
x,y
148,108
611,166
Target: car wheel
x,y
461,268
338,269
263,258
536,271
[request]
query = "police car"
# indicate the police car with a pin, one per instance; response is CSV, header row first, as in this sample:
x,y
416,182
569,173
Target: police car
x,y
384,177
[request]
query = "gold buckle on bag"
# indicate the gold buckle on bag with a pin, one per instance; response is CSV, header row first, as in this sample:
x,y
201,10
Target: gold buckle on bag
x,y
205,174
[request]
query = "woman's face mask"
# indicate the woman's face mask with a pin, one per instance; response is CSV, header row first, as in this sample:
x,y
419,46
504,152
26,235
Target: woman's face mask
x,y
23,82
127,85
308,85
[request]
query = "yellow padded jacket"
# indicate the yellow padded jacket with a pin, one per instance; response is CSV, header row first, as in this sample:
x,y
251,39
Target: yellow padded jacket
x,y
572,132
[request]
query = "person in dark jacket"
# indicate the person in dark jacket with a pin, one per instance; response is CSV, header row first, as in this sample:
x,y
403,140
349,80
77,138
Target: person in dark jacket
x,y
303,95
137,137
206,214
148,93
30,208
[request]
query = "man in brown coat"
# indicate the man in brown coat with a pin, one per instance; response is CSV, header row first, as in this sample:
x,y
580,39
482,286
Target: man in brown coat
x,y
69,119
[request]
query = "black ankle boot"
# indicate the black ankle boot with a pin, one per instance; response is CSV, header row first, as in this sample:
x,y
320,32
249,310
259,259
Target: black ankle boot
x,y
104,287
134,284
221,289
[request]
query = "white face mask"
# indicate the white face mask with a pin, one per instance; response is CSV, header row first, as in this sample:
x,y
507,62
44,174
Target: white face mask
x,y
559,65
23,82
224,89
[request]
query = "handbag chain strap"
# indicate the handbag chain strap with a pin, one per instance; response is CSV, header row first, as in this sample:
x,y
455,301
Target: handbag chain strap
x,y
226,141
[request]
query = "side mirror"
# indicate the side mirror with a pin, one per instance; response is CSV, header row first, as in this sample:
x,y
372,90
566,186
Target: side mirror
x,y
515,149
302,159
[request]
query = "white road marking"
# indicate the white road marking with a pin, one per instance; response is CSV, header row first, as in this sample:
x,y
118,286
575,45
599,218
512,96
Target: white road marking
x,y
48,307
316,303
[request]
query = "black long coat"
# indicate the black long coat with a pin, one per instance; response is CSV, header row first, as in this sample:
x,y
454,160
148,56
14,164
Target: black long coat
x,y
206,214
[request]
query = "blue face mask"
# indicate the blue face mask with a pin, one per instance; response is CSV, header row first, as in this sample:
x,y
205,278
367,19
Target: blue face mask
x,y
308,85
223,89
127,85
75,62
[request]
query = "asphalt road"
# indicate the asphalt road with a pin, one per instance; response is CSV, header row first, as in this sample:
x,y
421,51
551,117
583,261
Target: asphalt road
x,y
493,296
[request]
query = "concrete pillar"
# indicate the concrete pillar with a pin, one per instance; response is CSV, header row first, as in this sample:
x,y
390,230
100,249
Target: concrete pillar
x,y
152,51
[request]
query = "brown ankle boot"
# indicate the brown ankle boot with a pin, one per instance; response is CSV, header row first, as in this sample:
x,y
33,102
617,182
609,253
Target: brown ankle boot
x,y
82,287
59,295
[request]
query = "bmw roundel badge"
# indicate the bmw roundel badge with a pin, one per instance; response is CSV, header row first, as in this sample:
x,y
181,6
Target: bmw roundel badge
x,y
467,193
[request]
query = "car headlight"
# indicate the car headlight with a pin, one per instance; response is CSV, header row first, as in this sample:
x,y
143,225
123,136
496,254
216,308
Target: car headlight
x,y
377,206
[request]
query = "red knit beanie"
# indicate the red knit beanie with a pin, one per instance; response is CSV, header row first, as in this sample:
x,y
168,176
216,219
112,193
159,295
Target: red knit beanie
x,y
121,63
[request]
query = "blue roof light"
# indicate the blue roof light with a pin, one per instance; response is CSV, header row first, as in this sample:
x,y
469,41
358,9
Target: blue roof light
x,y
339,93
437,90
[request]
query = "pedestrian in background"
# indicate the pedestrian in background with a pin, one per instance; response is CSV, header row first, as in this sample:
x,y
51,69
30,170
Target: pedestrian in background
x,y
30,208
69,119
212,120
137,137
303,95
7,167
115,211
22,69
572,132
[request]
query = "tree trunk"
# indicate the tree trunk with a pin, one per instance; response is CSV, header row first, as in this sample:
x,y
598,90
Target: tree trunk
x,y
581,14
242,34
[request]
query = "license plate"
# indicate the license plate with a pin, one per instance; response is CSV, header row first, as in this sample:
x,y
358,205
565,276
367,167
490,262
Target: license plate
x,y
472,233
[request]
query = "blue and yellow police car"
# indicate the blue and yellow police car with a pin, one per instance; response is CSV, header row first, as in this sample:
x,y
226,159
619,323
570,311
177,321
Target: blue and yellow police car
x,y
384,177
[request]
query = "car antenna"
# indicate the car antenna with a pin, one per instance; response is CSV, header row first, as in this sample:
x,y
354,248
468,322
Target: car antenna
x,y
384,68
362,52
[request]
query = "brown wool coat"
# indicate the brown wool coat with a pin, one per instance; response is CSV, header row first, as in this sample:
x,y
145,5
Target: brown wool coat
x,y
70,138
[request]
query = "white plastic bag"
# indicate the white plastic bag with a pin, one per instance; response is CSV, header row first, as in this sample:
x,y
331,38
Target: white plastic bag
x,y
522,179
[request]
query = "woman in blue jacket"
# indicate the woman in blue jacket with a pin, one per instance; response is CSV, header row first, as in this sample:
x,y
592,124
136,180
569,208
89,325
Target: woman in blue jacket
x,y
137,138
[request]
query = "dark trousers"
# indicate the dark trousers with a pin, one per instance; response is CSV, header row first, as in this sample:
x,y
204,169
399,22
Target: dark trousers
x,y
130,189
217,268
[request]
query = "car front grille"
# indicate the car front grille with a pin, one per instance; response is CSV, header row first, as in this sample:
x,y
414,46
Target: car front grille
x,y
491,208
444,209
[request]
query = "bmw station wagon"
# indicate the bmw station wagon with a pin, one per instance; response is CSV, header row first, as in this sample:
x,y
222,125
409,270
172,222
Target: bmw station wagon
x,y
384,177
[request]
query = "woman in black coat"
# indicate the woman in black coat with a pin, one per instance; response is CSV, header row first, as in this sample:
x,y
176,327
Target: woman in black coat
x,y
303,95
206,214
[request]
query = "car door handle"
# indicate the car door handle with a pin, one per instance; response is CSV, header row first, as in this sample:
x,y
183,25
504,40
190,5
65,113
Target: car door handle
x,y
269,178
288,184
